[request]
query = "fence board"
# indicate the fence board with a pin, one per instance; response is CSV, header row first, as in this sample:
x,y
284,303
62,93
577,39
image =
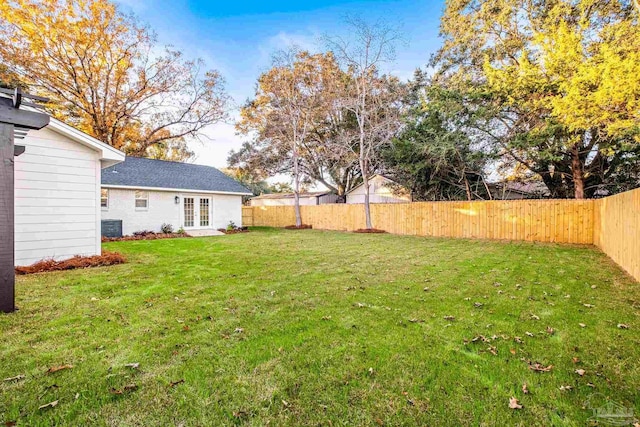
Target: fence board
x,y
562,221
617,229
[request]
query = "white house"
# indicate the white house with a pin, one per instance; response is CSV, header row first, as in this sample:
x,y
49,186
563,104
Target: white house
x,y
288,199
146,193
381,190
57,193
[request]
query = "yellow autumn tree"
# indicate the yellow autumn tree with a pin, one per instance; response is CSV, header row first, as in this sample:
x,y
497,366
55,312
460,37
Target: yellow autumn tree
x,y
106,75
558,84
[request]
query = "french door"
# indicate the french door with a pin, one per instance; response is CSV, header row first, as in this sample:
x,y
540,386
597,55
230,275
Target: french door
x,y
197,212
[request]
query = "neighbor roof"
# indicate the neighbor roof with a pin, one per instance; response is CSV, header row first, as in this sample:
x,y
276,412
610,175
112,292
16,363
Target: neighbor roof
x,y
290,195
137,172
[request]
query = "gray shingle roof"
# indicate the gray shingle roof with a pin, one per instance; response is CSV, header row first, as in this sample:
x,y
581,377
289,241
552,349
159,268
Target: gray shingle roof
x,y
139,172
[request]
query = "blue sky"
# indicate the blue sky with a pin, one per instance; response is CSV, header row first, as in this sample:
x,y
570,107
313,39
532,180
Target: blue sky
x,y
238,37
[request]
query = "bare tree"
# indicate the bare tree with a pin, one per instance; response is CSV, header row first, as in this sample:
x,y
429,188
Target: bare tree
x,y
374,99
287,106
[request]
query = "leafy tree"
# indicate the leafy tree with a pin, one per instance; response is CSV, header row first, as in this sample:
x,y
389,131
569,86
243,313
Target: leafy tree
x,y
327,123
104,75
434,156
288,104
254,183
555,85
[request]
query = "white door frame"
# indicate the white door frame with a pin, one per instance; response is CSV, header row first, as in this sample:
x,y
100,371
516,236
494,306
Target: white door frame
x,y
196,215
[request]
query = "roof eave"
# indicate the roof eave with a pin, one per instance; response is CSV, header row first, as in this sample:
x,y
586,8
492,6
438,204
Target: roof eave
x,y
177,190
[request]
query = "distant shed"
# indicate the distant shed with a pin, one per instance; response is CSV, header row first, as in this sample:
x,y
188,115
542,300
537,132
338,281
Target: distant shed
x,y
288,199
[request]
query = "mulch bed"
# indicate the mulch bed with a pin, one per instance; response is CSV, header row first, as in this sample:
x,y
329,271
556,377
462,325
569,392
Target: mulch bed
x,y
295,227
146,236
234,231
107,258
369,230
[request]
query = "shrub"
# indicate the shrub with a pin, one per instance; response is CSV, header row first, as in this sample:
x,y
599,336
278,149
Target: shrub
x,y
232,226
166,228
181,230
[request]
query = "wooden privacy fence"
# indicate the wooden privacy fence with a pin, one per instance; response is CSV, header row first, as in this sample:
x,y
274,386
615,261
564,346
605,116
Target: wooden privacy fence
x,y
613,223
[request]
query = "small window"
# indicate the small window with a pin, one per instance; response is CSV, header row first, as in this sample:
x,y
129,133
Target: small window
x,y
142,199
104,198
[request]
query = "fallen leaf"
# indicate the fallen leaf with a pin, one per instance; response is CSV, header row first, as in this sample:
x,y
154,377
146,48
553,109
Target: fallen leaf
x,y
285,403
513,403
565,387
550,330
512,351
623,326
582,325
575,360
175,383
449,318
186,328
49,405
326,317
589,305
534,317
370,371
518,340
16,378
238,330
59,368
529,334
537,367
492,350
580,372
128,387
477,304
525,390
132,365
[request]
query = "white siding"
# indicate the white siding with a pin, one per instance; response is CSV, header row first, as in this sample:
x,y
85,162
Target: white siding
x,y
56,210
226,208
379,192
163,209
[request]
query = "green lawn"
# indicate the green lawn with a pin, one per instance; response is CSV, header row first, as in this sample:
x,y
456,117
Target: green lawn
x,y
323,328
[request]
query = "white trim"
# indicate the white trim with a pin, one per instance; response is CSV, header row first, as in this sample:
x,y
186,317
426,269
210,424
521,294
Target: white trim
x,y
175,190
98,211
109,156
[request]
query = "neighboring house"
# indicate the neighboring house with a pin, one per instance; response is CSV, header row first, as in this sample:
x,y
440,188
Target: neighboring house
x,y
288,199
512,190
381,190
146,193
57,193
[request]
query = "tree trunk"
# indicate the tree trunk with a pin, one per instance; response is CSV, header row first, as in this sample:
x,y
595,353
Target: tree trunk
x,y
296,187
365,182
467,188
577,172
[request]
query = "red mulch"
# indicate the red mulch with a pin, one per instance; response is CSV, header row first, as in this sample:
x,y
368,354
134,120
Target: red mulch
x,y
369,230
147,236
234,231
295,227
107,258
